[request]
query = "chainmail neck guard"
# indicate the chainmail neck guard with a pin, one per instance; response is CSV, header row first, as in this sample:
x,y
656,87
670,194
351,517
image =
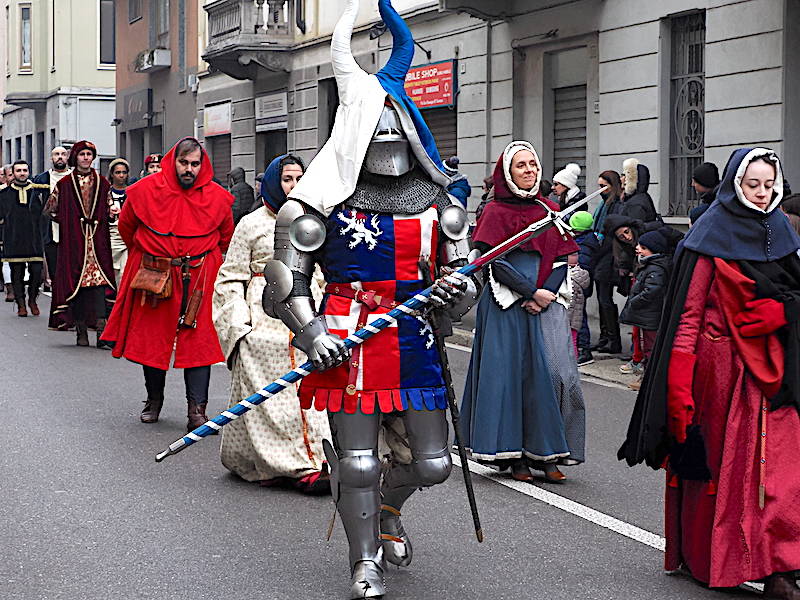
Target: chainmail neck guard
x,y
408,194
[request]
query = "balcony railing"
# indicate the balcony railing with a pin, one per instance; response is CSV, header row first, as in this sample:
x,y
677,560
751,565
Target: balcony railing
x,y
247,34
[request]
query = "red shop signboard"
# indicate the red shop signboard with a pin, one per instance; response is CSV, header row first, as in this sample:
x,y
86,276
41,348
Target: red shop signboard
x,y
434,85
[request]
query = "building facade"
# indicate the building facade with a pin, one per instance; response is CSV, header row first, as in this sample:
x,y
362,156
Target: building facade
x,y
3,61
158,57
671,83
60,63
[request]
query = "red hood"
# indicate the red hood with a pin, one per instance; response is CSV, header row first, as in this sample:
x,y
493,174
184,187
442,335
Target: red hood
x,y
165,206
169,177
508,214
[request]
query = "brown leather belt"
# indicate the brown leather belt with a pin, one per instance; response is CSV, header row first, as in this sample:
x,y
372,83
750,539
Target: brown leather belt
x,y
369,301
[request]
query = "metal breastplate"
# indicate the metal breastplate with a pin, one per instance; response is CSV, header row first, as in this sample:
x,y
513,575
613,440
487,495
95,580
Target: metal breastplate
x,y
409,194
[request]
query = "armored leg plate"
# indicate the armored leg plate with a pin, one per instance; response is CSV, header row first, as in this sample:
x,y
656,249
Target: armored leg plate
x,y
367,580
397,547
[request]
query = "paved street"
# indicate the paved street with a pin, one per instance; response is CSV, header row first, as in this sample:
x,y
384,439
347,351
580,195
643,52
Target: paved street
x,y
86,513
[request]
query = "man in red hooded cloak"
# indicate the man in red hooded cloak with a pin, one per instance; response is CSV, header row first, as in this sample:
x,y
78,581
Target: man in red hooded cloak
x,y
79,204
176,223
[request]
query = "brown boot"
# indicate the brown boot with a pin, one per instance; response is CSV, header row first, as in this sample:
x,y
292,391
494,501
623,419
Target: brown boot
x,y
197,415
83,334
781,586
101,325
152,409
9,293
21,310
34,307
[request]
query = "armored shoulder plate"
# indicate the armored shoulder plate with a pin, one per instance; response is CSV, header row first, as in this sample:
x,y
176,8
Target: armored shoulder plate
x,y
454,222
291,210
307,233
297,234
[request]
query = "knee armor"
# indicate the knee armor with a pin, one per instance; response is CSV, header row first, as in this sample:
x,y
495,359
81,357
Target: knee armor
x,y
433,470
359,469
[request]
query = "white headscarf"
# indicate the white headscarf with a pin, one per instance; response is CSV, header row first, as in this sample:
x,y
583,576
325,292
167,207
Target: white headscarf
x,y
508,156
777,188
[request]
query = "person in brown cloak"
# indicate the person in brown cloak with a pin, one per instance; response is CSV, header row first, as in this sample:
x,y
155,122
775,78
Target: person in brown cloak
x,y
79,204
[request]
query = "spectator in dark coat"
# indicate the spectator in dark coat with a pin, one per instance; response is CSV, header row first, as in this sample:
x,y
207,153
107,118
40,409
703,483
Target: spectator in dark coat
x,y
243,194
612,200
460,188
545,188
486,197
605,275
646,300
791,208
637,203
581,223
589,247
705,180
565,186
625,233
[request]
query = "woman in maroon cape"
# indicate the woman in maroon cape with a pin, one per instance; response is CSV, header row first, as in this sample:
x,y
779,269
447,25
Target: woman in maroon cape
x,y
79,204
522,404
178,214
720,399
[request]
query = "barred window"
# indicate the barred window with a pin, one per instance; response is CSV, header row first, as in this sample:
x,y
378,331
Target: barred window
x,y
687,108
134,10
107,33
25,38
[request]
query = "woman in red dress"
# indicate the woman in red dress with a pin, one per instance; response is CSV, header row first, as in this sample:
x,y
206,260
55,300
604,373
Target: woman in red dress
x,y
721,402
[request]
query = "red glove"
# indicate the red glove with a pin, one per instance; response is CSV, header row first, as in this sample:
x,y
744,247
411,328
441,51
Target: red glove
x,y
760,317
680,404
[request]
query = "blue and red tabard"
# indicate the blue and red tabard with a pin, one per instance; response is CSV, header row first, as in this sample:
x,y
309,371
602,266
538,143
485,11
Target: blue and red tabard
x,y
371,262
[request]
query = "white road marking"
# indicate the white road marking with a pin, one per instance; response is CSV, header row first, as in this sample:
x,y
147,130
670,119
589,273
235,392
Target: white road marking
x,y
458,347
627,530
575,508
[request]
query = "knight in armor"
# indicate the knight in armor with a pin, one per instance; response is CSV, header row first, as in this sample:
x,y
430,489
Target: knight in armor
x,y
373,211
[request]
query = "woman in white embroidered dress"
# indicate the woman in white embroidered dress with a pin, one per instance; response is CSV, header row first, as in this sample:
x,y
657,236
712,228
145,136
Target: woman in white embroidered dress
x,y
277,443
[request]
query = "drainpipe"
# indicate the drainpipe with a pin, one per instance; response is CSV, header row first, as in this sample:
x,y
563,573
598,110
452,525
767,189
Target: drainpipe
x,y
488,96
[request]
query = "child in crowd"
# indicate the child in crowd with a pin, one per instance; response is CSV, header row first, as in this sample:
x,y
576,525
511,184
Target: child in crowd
x,y
646,299
582,224
580,283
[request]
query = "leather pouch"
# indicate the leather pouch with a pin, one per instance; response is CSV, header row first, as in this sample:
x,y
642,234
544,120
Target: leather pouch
x,y
192,308
154,276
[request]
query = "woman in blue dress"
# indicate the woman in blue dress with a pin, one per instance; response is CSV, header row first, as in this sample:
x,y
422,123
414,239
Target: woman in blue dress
x,y
512,411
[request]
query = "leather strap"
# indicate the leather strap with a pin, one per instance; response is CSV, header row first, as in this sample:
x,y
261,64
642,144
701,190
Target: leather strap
x,y
369,302
390,509
371,299
185,260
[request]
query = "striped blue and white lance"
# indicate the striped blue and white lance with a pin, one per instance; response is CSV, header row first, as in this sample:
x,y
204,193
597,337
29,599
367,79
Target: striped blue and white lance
x,y
411,305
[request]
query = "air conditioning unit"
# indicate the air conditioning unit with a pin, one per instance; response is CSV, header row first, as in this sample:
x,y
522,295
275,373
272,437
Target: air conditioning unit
x,y
153,59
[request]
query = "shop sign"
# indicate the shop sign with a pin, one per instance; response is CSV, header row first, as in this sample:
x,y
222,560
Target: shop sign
x,y
272,112
137,109
433,85
217,119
